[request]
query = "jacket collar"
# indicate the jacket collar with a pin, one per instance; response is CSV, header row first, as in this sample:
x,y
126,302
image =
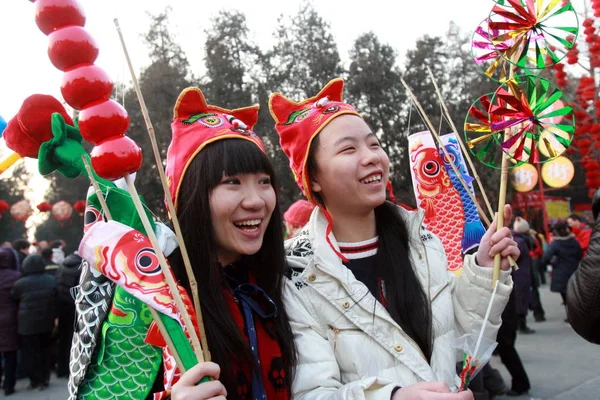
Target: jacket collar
x,y
325,256
569,236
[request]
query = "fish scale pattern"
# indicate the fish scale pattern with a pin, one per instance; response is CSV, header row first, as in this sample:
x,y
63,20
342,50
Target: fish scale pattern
x,y
125,366
93,298
435,195
474,229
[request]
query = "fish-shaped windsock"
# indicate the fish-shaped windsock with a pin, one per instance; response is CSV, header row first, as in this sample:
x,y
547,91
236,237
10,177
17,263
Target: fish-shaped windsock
x,y
435,195
474,229
127,258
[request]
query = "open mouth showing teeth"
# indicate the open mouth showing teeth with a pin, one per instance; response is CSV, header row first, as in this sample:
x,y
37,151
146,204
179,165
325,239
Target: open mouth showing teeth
x,y
372,179
249,226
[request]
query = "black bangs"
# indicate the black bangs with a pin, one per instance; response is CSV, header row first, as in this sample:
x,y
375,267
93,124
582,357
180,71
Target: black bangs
x,y
231,157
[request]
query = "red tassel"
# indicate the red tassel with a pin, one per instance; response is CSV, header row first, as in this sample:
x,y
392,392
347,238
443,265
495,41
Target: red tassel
x,y
328,232
391,192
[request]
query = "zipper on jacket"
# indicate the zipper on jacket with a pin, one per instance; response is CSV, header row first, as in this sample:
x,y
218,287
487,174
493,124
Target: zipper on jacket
x,y
439,292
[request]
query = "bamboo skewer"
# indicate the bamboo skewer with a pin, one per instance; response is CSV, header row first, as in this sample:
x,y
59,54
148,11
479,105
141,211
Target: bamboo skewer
x,y
500,215
503,187
462,145
502,195
153,312
97,189
442,148
159,166
187,322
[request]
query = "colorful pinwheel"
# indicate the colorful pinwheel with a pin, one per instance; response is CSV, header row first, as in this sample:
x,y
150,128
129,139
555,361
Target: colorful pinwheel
x,y
527,32
527,107
481,140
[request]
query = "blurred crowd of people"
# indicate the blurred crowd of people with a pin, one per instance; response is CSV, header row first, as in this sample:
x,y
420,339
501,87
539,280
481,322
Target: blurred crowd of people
x,y
37,311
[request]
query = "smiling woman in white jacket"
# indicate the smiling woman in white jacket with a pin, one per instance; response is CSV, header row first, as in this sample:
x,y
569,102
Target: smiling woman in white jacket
x,y
374,312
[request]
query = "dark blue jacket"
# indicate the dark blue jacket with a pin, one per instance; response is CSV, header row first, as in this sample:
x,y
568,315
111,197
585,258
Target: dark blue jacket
x,y
36,293
522,276
564,253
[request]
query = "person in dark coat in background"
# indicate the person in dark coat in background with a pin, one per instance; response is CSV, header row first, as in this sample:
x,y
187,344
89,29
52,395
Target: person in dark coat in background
x,y
51,267
507,336
36,293
564,253
9,338
522,276
583,291
537,252
67,277
21,246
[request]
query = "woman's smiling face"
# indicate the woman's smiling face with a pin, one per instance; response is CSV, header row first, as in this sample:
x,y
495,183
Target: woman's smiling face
x,y
241,207
352,169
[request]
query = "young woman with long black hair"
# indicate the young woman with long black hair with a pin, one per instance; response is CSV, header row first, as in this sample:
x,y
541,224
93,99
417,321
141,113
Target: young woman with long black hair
x,y
223,188
374,312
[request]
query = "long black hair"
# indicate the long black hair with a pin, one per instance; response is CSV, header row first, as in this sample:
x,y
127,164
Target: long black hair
x,y
226,343
406,300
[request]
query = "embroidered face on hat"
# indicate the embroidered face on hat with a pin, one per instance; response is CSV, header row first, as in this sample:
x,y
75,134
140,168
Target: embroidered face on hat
x,y
299,123
196,124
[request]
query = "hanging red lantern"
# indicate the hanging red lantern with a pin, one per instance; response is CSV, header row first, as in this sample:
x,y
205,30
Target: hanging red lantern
x,y
44,206
62,211
21,210
573,55
79,206
3,207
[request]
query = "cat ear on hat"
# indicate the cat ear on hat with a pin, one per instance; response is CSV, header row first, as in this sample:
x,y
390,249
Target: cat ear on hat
x,y
191,101
334,90
248,115
281,107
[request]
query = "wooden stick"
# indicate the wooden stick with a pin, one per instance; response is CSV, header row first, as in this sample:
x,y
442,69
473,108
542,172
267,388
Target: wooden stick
x,y
165,268
462,145
442,148
502,194
153,312
500,214
97,189
161,172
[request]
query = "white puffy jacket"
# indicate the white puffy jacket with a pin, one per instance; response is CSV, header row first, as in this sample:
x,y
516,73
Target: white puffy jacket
x,y
348,345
